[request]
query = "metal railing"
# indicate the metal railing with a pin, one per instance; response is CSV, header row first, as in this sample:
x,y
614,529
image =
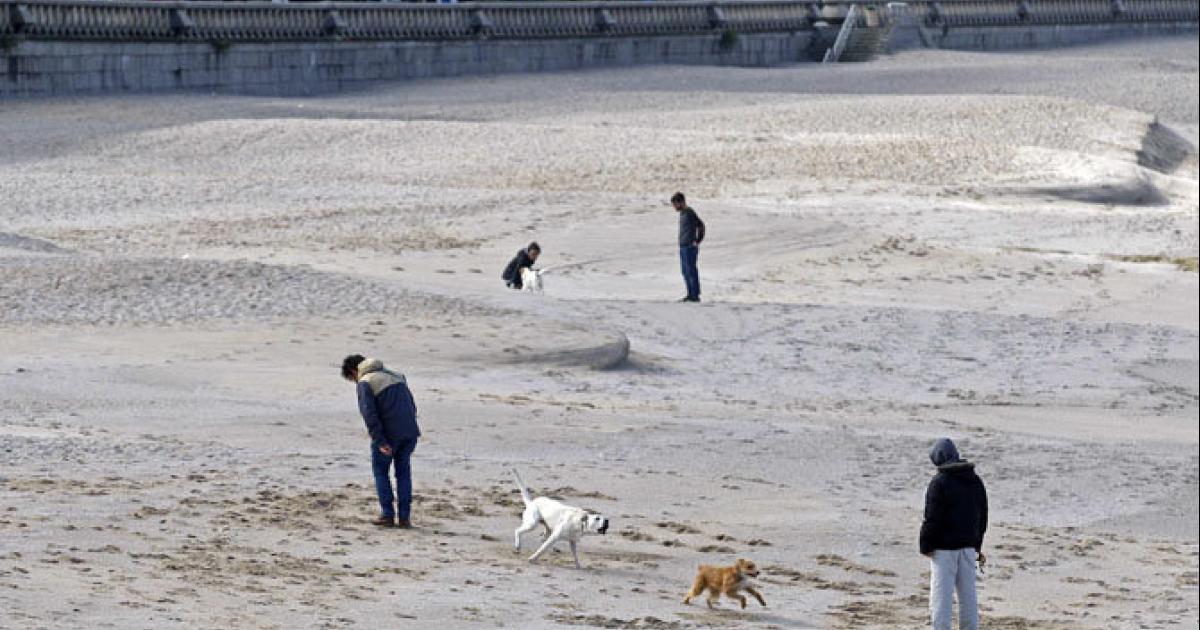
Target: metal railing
x,y
1021,12
839,45
265,21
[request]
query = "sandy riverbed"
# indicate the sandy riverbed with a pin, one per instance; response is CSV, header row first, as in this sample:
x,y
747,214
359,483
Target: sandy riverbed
x,y
992,247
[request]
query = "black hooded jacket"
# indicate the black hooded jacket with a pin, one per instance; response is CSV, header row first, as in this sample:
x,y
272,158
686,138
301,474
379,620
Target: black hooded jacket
x,y
956,506
512,272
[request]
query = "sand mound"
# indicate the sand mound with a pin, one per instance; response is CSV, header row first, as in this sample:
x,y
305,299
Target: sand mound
x,y
609,353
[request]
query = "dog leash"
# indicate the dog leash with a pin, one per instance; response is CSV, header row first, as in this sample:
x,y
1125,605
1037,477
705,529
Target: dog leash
x,y
574,264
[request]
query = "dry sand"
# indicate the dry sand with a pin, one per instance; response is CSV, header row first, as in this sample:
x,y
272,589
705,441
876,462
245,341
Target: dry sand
x,y
984,246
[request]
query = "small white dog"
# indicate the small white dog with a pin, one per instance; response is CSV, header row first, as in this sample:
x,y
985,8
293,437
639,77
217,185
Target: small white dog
x,y
560,520
531,279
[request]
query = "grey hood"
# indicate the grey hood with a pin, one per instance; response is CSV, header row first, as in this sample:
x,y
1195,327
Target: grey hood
x,y
944,452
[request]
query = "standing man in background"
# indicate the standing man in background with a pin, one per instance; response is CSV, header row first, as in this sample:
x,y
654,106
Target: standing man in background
x,y
390,413
691,234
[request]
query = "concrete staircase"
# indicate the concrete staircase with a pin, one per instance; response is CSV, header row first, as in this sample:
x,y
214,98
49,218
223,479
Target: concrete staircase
x,y
870,36
866,39
866,43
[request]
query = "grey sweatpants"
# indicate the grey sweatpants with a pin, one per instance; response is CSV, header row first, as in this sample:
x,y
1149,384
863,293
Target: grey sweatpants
x,y
953,570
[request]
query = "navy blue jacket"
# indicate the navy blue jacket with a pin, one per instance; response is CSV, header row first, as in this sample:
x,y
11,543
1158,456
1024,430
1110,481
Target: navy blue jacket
x,y
386,404
691,228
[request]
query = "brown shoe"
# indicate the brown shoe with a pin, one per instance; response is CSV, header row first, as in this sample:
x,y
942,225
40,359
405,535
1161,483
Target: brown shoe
x,y
404,523
384,521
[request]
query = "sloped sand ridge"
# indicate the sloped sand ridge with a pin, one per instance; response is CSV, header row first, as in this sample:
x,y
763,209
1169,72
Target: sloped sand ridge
x,y
19,243
933,142
85,290
1137,192
91,290
394,227
1160,170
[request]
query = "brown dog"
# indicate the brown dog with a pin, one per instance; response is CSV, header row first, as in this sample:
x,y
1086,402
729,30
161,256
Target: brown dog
x,y
725,581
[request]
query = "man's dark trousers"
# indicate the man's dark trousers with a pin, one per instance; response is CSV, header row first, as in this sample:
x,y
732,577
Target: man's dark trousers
x,y
691,275
381,465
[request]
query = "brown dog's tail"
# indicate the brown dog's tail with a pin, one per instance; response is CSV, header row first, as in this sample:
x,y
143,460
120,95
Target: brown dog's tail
x,y
525,496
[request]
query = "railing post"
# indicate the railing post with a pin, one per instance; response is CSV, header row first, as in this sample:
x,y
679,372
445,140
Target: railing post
x,y
181,22
481,24
1023,10
934,15
333,25
716,17
20,17
1118,8
604,21
814,13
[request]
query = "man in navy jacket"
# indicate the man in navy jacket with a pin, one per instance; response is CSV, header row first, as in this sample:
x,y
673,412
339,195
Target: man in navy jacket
x,y
691,234
390,413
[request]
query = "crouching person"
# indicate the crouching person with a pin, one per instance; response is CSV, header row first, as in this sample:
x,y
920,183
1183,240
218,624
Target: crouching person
x,y
390,414
524,259
956,514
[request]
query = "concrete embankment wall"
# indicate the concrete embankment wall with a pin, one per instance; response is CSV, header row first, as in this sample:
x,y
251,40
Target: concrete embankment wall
x,y
35,68
71,47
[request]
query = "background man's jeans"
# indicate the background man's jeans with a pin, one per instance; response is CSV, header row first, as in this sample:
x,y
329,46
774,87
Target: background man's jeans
x,y
381,465
953,570
691,275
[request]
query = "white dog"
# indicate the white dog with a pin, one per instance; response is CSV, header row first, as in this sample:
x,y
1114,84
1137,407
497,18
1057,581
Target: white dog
x,y
560,520
531,279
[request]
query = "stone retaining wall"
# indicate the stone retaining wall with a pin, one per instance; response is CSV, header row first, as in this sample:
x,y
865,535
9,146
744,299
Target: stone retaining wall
x,y
35,68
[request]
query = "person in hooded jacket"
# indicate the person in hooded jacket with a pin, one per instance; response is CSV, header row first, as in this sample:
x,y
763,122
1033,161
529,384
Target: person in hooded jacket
x,y
956,515
390,413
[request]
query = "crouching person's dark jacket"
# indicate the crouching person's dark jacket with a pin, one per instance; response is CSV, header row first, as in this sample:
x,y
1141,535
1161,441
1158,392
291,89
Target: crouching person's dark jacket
x,y
512,271
956,506
386,404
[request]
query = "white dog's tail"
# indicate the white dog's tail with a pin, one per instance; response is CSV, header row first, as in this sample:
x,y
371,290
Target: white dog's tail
x,y
525,496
